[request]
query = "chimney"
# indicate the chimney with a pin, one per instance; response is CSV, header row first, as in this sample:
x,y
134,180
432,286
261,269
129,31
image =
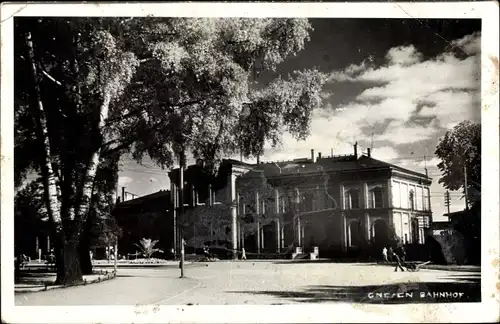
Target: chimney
x,y
356,150
319,156
312,155
369,152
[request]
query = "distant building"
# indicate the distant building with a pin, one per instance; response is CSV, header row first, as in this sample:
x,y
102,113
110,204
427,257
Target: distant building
x,y
148,216
337,203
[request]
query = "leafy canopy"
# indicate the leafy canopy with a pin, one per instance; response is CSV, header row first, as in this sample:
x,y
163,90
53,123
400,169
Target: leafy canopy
x,y
459,147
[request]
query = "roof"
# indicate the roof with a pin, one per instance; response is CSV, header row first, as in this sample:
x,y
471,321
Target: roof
x,y
329,164
338,163
457,213
441,225
162,194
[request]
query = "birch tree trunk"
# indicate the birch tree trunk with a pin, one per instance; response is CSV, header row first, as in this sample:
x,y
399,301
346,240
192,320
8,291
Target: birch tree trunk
x,y
68,269
49,178
89,176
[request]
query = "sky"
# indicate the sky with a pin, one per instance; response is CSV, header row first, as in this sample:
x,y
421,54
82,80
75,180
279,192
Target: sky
x,y
394,85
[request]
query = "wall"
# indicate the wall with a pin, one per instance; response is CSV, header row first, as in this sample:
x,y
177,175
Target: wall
x,y
400,195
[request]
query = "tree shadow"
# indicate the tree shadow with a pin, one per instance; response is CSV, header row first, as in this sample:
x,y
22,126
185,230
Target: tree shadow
x,y
458,289
431,266
298,261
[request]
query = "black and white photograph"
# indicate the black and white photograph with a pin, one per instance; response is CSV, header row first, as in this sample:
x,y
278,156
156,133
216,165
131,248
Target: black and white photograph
x,y
231,156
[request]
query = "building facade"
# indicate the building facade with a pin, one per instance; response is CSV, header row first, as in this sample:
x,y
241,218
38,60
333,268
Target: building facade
x,y
337,203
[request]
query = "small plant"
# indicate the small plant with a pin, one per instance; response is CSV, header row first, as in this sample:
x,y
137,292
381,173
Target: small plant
x,y
147,247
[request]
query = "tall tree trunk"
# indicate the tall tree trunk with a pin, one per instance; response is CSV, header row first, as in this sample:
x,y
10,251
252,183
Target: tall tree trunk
x,y
49,177
83,224
89,176
84,247
51,189
68,262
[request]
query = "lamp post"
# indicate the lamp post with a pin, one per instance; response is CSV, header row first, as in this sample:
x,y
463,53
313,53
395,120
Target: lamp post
x,y
183,243
116,255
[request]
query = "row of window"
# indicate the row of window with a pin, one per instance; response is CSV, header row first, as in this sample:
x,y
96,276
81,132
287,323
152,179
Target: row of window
x,y
410,196
312,201
375,198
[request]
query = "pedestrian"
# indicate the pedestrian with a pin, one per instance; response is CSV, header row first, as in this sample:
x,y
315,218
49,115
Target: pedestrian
x,y
243,254
390,254
402,253
206,253
384,254
91,256
398,261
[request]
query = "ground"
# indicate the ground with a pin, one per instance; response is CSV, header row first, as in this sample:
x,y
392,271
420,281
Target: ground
x,y
265,282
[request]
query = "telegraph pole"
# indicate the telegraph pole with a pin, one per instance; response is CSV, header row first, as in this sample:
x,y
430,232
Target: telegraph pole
x,y
447,201
181,208
466,188
425,165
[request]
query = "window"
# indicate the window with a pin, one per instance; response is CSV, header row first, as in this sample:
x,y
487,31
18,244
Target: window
x,y
308,201
404,196
283,201
418,198
376,199
411,199
396,199
352,199
426,199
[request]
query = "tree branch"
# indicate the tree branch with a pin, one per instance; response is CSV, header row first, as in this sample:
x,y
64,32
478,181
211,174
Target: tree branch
x,y
51,78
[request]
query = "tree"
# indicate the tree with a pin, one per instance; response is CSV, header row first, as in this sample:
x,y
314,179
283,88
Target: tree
x,y
461,147
68,88
91,89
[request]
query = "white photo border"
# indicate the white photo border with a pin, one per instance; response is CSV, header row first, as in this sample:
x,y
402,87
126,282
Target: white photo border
x,y
487,310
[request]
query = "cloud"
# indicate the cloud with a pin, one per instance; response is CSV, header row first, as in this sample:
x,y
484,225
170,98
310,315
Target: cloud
x,y
403,55
124,180
470,44
406,102
445,89
431,163
385,153
329,132
399,133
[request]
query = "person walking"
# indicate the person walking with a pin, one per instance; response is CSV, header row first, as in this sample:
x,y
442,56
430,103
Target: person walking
x,y
243,254
402,253
384,255
398,262
391,252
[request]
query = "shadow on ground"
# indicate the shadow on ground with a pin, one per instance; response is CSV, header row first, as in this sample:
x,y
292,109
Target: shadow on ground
x,y
289,261
431,266
459,289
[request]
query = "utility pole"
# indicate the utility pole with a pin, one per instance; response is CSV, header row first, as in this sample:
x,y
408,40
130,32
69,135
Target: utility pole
x,y
181,208
425,166
116,255
447,201
466,188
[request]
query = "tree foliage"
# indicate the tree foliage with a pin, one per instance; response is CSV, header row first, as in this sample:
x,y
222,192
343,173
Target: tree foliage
x,y
88,90
147,247
459,147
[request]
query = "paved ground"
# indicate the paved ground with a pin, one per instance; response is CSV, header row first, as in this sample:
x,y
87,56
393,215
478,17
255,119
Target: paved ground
x,y
266,282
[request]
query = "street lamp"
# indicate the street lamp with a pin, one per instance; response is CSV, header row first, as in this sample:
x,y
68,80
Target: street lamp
x,y
181,264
